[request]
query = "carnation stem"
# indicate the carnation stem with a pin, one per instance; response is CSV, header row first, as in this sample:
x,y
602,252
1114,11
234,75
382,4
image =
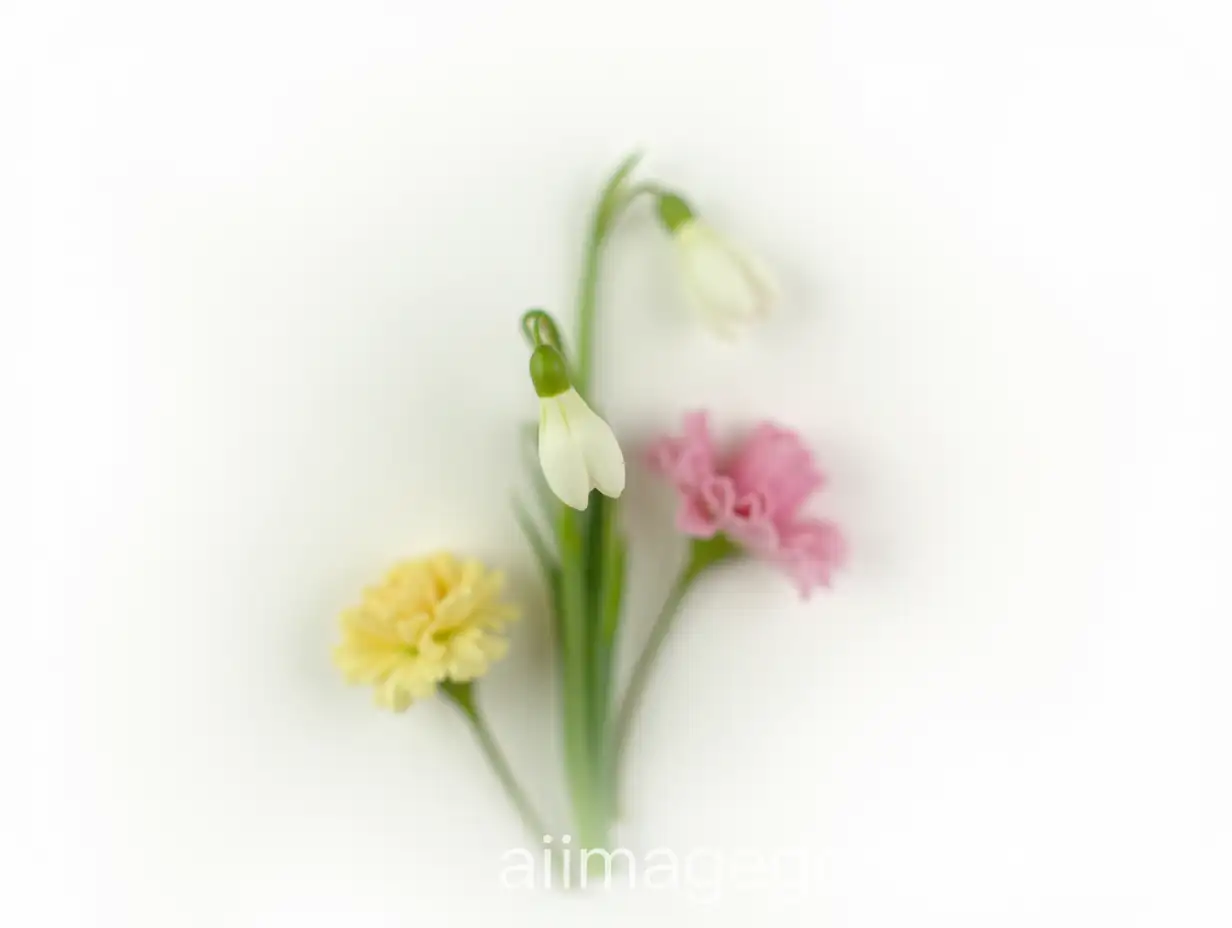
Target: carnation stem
x,y
703,553
462,695
646,660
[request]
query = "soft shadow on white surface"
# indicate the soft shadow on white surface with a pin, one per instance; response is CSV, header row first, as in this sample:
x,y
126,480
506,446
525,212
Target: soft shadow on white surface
x,y
279,259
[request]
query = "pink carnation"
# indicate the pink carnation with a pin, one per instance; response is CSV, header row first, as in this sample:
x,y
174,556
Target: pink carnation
x,y
753,496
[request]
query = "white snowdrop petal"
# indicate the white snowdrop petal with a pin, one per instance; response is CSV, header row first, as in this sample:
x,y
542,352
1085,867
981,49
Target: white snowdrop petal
x,y
727,287
764,282
718,279
560,455
605,462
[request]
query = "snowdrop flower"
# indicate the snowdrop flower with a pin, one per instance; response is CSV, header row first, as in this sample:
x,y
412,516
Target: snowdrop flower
x,y
729,289
577,449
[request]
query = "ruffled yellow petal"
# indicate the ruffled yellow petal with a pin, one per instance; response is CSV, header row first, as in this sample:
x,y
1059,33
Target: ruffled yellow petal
x,y
431,619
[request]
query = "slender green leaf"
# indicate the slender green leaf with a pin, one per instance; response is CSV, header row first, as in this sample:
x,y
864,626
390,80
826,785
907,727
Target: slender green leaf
x,y
543,553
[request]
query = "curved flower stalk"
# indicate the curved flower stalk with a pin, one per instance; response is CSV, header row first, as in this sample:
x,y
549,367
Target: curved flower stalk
x,y
585,567
433,624
729,289
747,503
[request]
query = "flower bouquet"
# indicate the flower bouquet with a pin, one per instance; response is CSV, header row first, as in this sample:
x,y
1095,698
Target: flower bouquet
x,y
435,624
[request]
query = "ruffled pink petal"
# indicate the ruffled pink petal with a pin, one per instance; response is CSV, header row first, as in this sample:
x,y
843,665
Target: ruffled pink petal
x,y
810,550
704,512
759,537
693,469
696,425
663,456
755,499
687,460
775,462
750,525
751,506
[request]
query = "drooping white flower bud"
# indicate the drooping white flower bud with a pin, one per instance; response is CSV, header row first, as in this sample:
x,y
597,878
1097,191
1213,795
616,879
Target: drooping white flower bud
x,y
729,289
577,449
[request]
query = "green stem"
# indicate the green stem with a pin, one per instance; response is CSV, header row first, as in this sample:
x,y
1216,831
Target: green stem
x,y
648,187
587,299
612,202
636,688
575,652
703,553
462,695
591,566
610,551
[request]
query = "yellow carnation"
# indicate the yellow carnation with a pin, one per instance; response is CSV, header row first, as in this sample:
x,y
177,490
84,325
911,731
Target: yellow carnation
x,y
431,619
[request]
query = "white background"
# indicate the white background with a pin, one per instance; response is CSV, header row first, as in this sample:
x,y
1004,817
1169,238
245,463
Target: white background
x,y
278,253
